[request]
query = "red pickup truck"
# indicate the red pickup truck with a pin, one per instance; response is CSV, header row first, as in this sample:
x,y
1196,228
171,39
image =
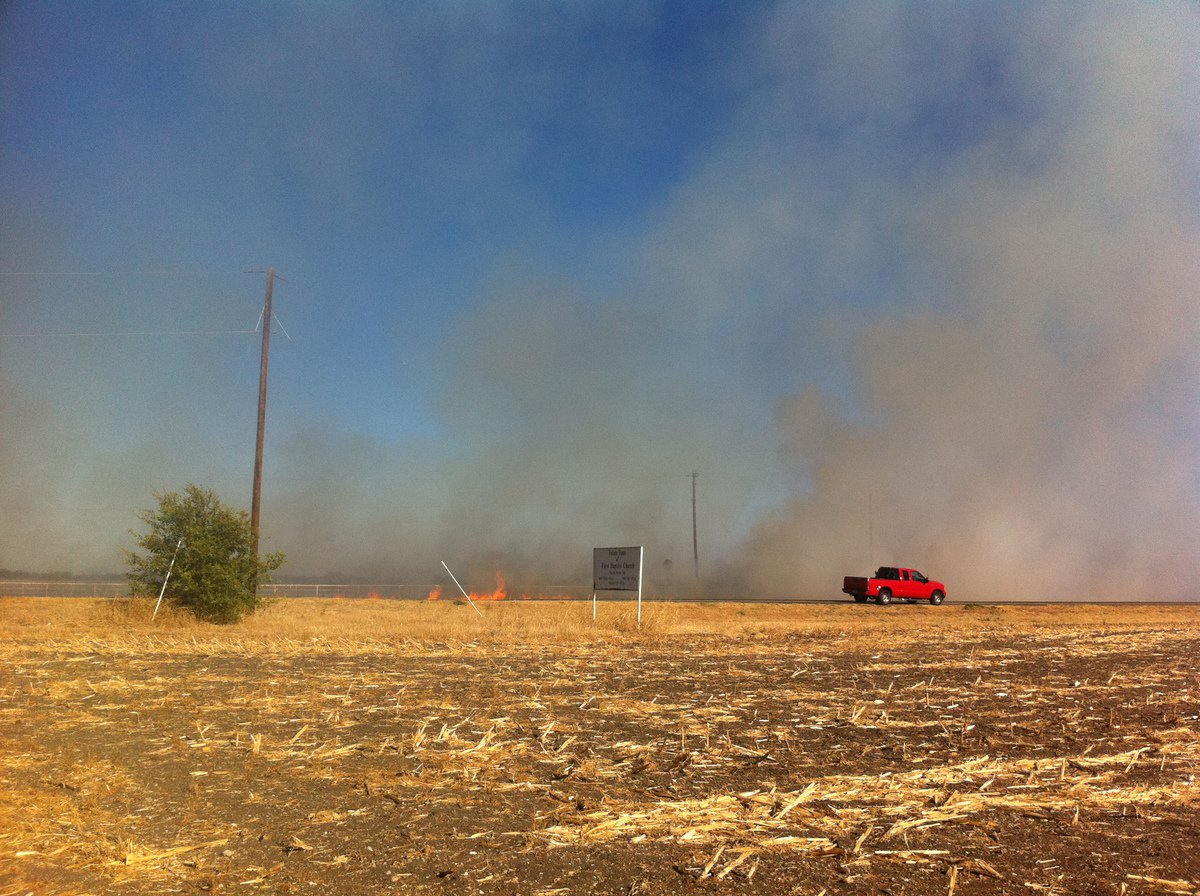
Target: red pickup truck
x,y
893,583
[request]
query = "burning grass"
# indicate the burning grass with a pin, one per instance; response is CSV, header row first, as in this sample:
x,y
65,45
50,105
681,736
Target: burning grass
x,y
374,746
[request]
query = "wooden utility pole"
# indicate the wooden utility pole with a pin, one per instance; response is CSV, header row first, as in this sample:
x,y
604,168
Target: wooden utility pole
x,y
870,527
695,542
256,504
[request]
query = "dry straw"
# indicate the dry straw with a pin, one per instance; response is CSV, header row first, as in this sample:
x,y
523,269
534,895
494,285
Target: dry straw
x,y
820,734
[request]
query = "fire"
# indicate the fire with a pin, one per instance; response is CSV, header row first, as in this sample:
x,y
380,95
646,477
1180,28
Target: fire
x,y
499,594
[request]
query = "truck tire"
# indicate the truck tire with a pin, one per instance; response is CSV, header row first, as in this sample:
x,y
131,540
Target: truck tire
x,y
936,598
885,597
860,598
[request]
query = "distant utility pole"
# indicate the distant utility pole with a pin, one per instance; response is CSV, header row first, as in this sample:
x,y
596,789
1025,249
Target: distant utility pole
x,y
870,527
256,505
695,542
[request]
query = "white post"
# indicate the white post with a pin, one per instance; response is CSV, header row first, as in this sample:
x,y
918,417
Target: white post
x,y
460,588
593,606
641,558
166,579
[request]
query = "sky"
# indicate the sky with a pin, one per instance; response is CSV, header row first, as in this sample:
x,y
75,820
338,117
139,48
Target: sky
x,y
904,283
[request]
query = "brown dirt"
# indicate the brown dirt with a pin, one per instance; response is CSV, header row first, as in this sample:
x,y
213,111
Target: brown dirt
x,y
906,750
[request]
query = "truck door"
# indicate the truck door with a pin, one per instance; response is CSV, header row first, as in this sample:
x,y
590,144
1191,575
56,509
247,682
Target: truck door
x,y
904,588
920,585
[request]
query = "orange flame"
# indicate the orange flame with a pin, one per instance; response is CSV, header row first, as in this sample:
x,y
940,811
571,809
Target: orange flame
x,y
499,594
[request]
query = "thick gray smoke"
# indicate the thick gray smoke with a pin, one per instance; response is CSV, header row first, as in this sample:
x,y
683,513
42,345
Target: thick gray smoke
x,y
928,293
973,247
1031,428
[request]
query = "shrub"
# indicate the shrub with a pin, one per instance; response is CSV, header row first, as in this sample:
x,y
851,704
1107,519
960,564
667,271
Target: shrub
x,y
215,574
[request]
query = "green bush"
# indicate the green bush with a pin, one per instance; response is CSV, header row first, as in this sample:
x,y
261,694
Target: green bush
x,y
215,574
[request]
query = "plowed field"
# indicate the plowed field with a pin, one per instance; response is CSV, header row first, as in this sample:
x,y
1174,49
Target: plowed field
x,y
357,748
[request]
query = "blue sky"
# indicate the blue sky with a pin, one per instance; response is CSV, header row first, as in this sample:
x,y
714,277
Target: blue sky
x,y
542,260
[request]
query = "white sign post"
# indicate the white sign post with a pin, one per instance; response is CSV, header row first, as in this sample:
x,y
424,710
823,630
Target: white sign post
x,y
617,569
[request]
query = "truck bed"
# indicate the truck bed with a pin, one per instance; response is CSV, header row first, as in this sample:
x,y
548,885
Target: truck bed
x,y
854,585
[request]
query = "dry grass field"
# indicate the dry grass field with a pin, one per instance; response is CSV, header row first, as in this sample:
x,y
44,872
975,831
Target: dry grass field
x,y
369,747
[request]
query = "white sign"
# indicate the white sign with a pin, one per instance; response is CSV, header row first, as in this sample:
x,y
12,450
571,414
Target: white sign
x,y
617,569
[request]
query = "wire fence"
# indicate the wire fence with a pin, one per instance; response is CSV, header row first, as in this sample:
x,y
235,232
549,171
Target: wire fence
x,y
64,589
348,591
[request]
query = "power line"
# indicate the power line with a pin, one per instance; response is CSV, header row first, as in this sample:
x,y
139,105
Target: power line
x,y
125,333
161,273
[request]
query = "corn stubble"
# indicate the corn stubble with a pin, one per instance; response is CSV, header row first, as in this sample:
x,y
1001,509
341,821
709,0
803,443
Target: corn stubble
x,y
377,746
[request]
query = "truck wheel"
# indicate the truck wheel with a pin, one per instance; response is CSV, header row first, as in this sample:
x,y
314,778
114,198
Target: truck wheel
x,y
936,598
860,598
885,597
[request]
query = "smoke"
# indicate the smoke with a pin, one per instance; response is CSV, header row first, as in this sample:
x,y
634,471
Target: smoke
x,y
1030,428
561,428
917,286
